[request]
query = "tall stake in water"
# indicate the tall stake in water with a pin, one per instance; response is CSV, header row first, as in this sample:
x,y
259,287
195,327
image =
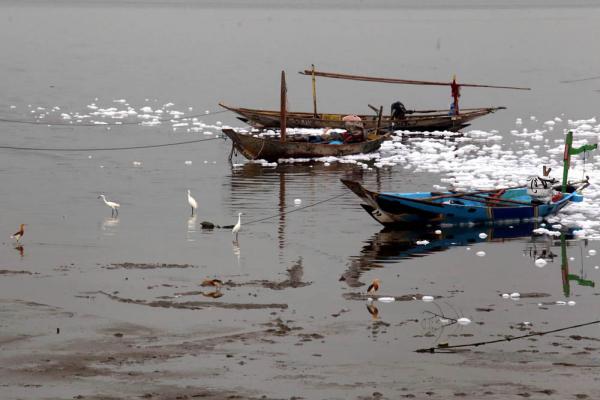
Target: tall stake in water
x,y
283,106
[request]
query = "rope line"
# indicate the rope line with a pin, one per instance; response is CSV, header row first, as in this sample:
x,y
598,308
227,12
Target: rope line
x,y
22,121
506,339
295,209
150,146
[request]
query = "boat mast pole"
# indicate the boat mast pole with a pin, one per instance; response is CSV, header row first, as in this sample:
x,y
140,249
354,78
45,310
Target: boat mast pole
x,y
314,90
455,89
283,96
567,160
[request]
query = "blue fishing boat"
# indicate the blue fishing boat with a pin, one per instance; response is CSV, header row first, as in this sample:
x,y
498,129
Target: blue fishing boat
x,y
516,204
522,203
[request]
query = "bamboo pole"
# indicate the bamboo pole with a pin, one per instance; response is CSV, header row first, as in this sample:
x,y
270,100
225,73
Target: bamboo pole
x,y
401,81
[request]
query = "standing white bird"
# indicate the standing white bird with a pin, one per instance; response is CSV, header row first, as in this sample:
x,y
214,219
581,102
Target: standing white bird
x,y
114,206
237,227
192,202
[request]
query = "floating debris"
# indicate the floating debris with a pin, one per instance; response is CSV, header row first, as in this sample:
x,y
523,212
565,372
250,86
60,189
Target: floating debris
x,y
386,299
540,263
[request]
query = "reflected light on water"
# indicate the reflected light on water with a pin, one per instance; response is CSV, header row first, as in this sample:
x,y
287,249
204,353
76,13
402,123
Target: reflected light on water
x,y
191,228
109,226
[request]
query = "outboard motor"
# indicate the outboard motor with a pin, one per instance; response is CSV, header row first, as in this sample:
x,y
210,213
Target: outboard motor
x,y
540,189
398,110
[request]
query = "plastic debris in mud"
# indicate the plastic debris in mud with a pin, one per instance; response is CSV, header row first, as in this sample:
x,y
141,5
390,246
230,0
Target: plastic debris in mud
x,y
480,253
427,298
297,202
386,299
540,263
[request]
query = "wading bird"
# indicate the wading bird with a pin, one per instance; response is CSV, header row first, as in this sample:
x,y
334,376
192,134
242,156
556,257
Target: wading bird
x,y
18,235
216,283
374,286
114,206
192,202
237,227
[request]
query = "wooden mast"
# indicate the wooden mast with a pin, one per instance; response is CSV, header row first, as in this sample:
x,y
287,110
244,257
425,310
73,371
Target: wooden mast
x,y
314,90
283,99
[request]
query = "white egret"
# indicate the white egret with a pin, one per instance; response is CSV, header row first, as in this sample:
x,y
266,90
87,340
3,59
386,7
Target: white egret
x,y
114,206
192,202
237,227
18,235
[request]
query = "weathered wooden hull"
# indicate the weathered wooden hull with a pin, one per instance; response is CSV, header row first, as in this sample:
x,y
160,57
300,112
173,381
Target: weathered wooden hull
x,y
399,209
271,149
417,122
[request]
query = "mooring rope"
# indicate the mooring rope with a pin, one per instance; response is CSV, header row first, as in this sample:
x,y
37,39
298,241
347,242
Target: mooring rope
x,y
442,349
149,146
295,209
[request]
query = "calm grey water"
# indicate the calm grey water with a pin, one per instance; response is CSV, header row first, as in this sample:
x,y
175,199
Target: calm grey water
x,y
195,54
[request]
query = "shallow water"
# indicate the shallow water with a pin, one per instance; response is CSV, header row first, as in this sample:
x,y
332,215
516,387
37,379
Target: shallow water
x,y
71,55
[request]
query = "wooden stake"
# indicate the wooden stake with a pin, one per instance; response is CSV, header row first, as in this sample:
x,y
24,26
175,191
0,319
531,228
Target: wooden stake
x,y
283,106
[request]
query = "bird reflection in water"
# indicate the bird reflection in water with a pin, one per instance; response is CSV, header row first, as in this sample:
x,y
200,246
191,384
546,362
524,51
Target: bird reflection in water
x,y
374,311
236,251
20,249
109,225
191,228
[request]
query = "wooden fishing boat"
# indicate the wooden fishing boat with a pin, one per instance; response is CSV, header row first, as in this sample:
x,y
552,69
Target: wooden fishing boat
x,y
272,149
417,121
516,204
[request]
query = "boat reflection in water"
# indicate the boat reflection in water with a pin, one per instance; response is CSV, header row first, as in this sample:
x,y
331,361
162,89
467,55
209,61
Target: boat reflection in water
x,y
390,245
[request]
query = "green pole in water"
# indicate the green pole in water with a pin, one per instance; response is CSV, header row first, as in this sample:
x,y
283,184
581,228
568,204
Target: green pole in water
x,y
570,151
567,160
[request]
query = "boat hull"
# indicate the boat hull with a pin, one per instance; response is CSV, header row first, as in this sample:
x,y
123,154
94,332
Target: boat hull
x,y
396,209
271,149
424,122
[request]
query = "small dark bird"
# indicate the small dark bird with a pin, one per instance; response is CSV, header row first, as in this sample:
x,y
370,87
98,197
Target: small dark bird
x,y
18,235
212,282
374,286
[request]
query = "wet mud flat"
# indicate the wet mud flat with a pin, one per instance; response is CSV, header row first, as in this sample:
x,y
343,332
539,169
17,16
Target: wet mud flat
x,y
257,349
